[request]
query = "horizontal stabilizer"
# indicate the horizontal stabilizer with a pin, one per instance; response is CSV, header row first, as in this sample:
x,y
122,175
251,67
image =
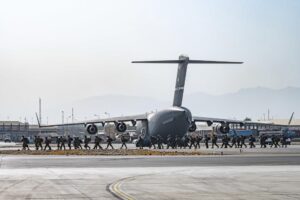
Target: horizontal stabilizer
x,y
212,62
188,61
159,61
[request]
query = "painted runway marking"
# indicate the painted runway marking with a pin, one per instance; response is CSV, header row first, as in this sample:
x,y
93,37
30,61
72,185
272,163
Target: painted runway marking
x,y
115,189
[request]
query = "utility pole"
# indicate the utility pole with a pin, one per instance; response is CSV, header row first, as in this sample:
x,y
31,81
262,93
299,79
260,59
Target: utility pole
x,y
62,117
63,120
72,115
40,110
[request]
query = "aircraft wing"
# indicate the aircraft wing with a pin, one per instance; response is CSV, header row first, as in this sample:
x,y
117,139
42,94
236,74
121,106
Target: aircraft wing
x,y
210,120
132,118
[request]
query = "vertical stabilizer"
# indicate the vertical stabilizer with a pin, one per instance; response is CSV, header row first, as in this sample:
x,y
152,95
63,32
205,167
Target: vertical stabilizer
x,y
180,80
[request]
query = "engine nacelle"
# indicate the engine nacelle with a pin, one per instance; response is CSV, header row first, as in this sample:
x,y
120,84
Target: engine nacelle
x,y
192,127
224,128
121,127
92,129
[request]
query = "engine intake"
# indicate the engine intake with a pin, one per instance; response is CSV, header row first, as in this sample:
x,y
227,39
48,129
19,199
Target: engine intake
x,y
121,127
92,129
192,127
223,128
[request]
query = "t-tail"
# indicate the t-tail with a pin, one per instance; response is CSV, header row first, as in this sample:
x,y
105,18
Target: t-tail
x,y
183,62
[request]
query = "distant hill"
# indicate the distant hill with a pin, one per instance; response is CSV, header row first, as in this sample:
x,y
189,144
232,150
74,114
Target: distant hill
x,y
252,102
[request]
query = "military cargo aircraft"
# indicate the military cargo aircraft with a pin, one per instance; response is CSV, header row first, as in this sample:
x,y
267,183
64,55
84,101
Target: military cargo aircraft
x,y
176,120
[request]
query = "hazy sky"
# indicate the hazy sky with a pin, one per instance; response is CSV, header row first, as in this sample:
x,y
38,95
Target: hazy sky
x,y
68,50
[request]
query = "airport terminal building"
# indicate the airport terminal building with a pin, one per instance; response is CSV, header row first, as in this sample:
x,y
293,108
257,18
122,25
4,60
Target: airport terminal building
x,y
14,130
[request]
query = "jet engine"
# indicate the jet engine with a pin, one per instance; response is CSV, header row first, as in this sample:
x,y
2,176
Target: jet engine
x,y
192,127
121,127
91,129
224,128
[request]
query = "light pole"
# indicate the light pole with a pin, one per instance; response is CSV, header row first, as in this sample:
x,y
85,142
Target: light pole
x,y
63,121
67,124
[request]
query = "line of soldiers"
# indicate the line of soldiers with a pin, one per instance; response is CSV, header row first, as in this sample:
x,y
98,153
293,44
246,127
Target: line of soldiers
x,y
275,140
171,142
194,141
187,141
62,141
191,141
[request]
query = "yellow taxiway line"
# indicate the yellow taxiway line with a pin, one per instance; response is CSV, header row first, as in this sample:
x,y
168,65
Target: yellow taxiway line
x,y
115,188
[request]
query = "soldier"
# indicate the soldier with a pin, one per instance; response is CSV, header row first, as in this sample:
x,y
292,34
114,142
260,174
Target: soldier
x,y
177,142
62,142
273,141
153,141
140,142
47,143
70,139
109,142
238,141
97,143
233,142
243,138
36,143
86,142
58,142
198,140
77,143
40,142
25,143
124,139
206,140
192,142
186,141
169,141
277,140
214,141
263,139
284,141
251,141
225,141
160,142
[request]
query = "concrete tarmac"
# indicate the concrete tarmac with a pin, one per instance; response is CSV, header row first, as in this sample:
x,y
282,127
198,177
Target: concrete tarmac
x,y
255,176
27,162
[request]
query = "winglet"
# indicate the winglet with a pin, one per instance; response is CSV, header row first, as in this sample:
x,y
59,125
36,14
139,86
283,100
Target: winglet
x,y
38,120
291,118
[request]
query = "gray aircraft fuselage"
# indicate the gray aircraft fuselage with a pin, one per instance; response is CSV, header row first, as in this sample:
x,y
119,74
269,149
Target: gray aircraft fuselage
x,y
173,121
176,120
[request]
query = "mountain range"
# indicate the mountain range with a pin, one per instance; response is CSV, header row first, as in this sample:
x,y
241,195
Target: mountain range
x,y
250,102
